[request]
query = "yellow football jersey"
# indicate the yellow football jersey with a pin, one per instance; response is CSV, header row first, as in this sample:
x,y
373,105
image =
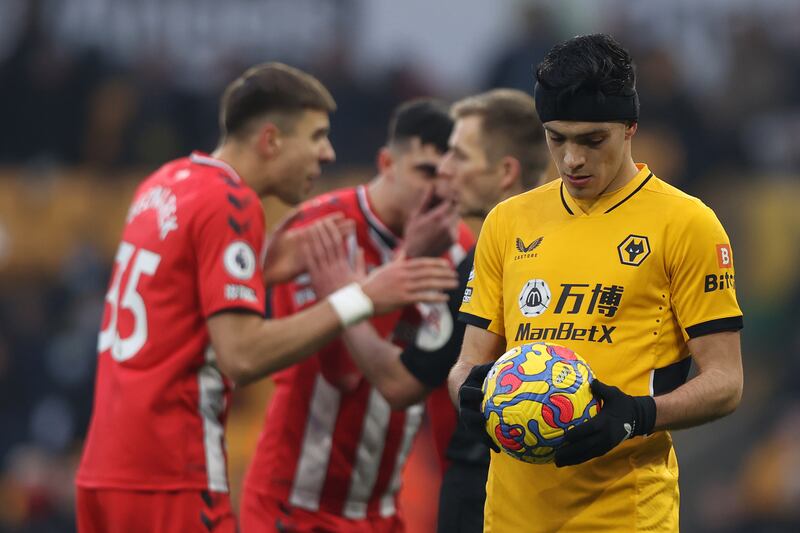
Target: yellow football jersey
x,y
625,284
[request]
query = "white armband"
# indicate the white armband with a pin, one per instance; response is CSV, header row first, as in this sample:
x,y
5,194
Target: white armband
x,y
351,304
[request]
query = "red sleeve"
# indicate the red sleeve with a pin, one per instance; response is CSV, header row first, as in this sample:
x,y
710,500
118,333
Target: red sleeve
x,y
465,236
228,242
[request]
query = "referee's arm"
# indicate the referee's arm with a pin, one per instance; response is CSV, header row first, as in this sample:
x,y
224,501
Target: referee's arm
x,y
480,346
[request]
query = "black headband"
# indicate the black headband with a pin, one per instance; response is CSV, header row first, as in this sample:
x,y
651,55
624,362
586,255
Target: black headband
x,y
584,105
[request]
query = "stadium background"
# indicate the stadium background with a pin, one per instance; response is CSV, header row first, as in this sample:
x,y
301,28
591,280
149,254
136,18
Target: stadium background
x,y
94,94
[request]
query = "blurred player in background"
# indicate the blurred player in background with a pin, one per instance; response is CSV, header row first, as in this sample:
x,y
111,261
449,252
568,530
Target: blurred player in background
x,y
184,310
497,150
332,449
630,272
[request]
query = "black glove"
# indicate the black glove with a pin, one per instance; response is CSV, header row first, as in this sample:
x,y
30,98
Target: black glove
x,y
470,397
621,417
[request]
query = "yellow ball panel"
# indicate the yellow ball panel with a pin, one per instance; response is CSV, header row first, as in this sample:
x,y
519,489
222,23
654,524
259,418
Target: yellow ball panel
x,y
534,387
534,364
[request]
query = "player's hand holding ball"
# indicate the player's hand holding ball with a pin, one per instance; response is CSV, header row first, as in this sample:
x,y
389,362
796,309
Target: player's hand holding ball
x,y
533,395
541,403
470,398
621,417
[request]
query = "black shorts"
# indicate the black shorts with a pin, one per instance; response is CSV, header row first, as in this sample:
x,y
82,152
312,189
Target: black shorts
x,y
462,498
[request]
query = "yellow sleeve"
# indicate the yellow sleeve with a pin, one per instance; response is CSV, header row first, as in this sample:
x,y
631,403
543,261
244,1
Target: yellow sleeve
x,y
482,304
702,281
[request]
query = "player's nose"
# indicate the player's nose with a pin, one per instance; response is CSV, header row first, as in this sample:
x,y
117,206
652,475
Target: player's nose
x,y
327,153
574,158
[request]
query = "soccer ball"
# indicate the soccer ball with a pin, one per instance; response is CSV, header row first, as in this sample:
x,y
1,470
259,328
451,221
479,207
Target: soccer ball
x,y
532,395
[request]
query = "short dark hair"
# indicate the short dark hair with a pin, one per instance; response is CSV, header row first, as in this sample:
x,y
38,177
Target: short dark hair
x,y
509,127
426,118
595,62
270,88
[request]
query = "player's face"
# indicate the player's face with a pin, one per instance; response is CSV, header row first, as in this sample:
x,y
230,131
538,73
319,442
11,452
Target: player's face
x,y
589,155
475,182
415,170
304,148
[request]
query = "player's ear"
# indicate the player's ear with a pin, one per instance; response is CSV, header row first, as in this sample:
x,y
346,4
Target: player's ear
x,y
385,160
509,172
630,130
269,139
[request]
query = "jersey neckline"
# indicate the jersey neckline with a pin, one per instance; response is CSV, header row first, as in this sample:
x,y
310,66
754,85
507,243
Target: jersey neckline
x,y
387,235
200,158
609,201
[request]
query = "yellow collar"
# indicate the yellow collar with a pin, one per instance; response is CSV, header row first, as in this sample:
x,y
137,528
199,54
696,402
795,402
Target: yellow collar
x,y
607,201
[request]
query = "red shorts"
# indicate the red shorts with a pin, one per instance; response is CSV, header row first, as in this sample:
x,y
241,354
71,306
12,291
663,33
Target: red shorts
x,y
262,514
123,511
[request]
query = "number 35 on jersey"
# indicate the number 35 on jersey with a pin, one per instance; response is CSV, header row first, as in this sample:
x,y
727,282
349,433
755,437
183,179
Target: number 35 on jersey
x,y
137,262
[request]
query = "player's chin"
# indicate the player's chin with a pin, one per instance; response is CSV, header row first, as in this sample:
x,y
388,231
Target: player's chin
x,y
580,192
310,180
295,197
303,190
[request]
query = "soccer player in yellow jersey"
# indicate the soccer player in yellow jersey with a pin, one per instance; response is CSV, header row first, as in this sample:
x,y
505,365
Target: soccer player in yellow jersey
x,y
630,272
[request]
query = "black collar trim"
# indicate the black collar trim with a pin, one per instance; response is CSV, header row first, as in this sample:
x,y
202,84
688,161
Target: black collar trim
x,y
642,184
564,201
385,234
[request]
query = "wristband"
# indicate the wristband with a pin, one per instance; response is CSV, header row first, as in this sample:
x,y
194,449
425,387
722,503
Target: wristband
x,y
351,304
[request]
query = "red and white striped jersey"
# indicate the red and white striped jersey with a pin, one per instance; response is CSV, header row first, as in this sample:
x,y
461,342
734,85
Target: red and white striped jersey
x,y
191,247
330,441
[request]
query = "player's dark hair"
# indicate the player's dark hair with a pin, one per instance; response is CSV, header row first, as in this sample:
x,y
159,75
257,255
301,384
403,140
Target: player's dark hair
x,y
271,88
425,118
587,64
588,61
509,127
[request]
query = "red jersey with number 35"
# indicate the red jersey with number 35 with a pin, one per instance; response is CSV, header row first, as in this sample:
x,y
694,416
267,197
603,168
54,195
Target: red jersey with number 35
x,y
191,248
